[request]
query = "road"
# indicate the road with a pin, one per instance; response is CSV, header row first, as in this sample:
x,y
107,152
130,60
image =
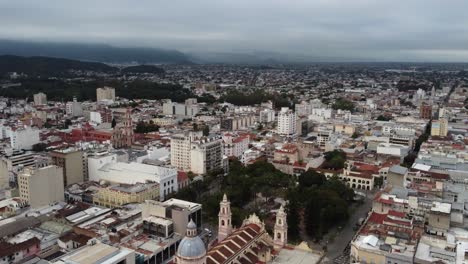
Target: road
x,y
342,238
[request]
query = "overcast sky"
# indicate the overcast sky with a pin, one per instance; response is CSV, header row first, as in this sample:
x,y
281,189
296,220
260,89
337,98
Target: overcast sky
x,y
432,30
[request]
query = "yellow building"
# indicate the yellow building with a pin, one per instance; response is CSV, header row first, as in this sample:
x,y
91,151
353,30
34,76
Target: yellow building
x,y
118,195
439,128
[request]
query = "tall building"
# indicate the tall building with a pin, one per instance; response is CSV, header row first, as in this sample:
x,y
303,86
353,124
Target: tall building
x,y
105,93
189,109
439,128
286,122
123,135
425,111
24,138
42,186
4,174
40,99
73,108
72,164
196,153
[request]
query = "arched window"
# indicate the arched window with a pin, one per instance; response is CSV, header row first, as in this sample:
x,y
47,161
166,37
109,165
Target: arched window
x,y
279,222
224,210
278,235
222,222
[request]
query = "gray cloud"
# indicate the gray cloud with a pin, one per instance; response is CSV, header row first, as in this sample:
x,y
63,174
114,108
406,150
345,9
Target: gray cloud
x,y
433,30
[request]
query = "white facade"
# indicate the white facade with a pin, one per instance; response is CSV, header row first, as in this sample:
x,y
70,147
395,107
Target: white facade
x,y
74,108
95,117
41,187
98,161
24,138
189,109
132,173
40,99
392,149
286,122
267,116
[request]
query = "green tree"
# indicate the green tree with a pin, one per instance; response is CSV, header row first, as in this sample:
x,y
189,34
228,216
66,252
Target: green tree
x,y
206,130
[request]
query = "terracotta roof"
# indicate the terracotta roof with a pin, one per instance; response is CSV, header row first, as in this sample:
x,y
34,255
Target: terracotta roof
x,y
235,244
7,249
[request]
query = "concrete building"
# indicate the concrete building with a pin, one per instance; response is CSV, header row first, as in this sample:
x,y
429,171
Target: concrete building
x,y
4,174
41,187
118,195
425,111
193,152
72,163
40,99
439,128
73,108
189,109
133,173
105,93
24,138
98,253
234,146
266,116
392,149
397,176
286,122
179,211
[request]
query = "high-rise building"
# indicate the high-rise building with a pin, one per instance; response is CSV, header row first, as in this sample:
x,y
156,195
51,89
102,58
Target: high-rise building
x,y
286,122
425,111
105,93
4,174
42,186
439,128
193,152
24,138
189,109
40,99
72,164
74,108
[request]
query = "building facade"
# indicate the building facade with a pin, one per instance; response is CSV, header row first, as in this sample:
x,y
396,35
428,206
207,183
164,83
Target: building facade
x,y
41,187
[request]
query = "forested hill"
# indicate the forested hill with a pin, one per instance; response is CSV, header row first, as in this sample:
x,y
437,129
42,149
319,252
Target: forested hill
x,y
45,66
93,52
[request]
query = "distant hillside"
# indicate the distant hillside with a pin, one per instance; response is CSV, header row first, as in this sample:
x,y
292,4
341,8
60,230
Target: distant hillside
x,y
143,69
93,52
45,66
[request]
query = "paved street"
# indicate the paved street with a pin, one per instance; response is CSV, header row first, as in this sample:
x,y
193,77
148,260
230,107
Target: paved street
x,y
342,238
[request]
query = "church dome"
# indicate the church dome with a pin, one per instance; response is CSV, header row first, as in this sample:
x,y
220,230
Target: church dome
x,y
191,246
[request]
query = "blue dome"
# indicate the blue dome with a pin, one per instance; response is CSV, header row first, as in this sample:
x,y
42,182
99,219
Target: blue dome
x,y
191,247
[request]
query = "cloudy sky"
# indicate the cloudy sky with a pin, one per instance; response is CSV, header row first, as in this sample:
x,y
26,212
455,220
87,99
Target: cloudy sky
x,y
395,30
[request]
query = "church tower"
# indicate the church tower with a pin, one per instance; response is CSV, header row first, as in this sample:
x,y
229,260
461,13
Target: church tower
x,y
280,232
224,216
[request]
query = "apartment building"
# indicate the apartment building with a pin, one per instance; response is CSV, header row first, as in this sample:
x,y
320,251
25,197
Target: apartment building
x,y
194,152
286,122
71,162
42,186
105,93
40,99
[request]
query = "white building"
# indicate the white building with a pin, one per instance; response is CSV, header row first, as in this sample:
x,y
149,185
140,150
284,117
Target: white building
x,y
97,161
74,108
24,138
266,116
392,149
286,122
189,109
42,186
40,99
132,173
105,93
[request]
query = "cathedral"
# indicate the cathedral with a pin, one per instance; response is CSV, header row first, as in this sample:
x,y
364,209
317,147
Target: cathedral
x,y
250,243
122,135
